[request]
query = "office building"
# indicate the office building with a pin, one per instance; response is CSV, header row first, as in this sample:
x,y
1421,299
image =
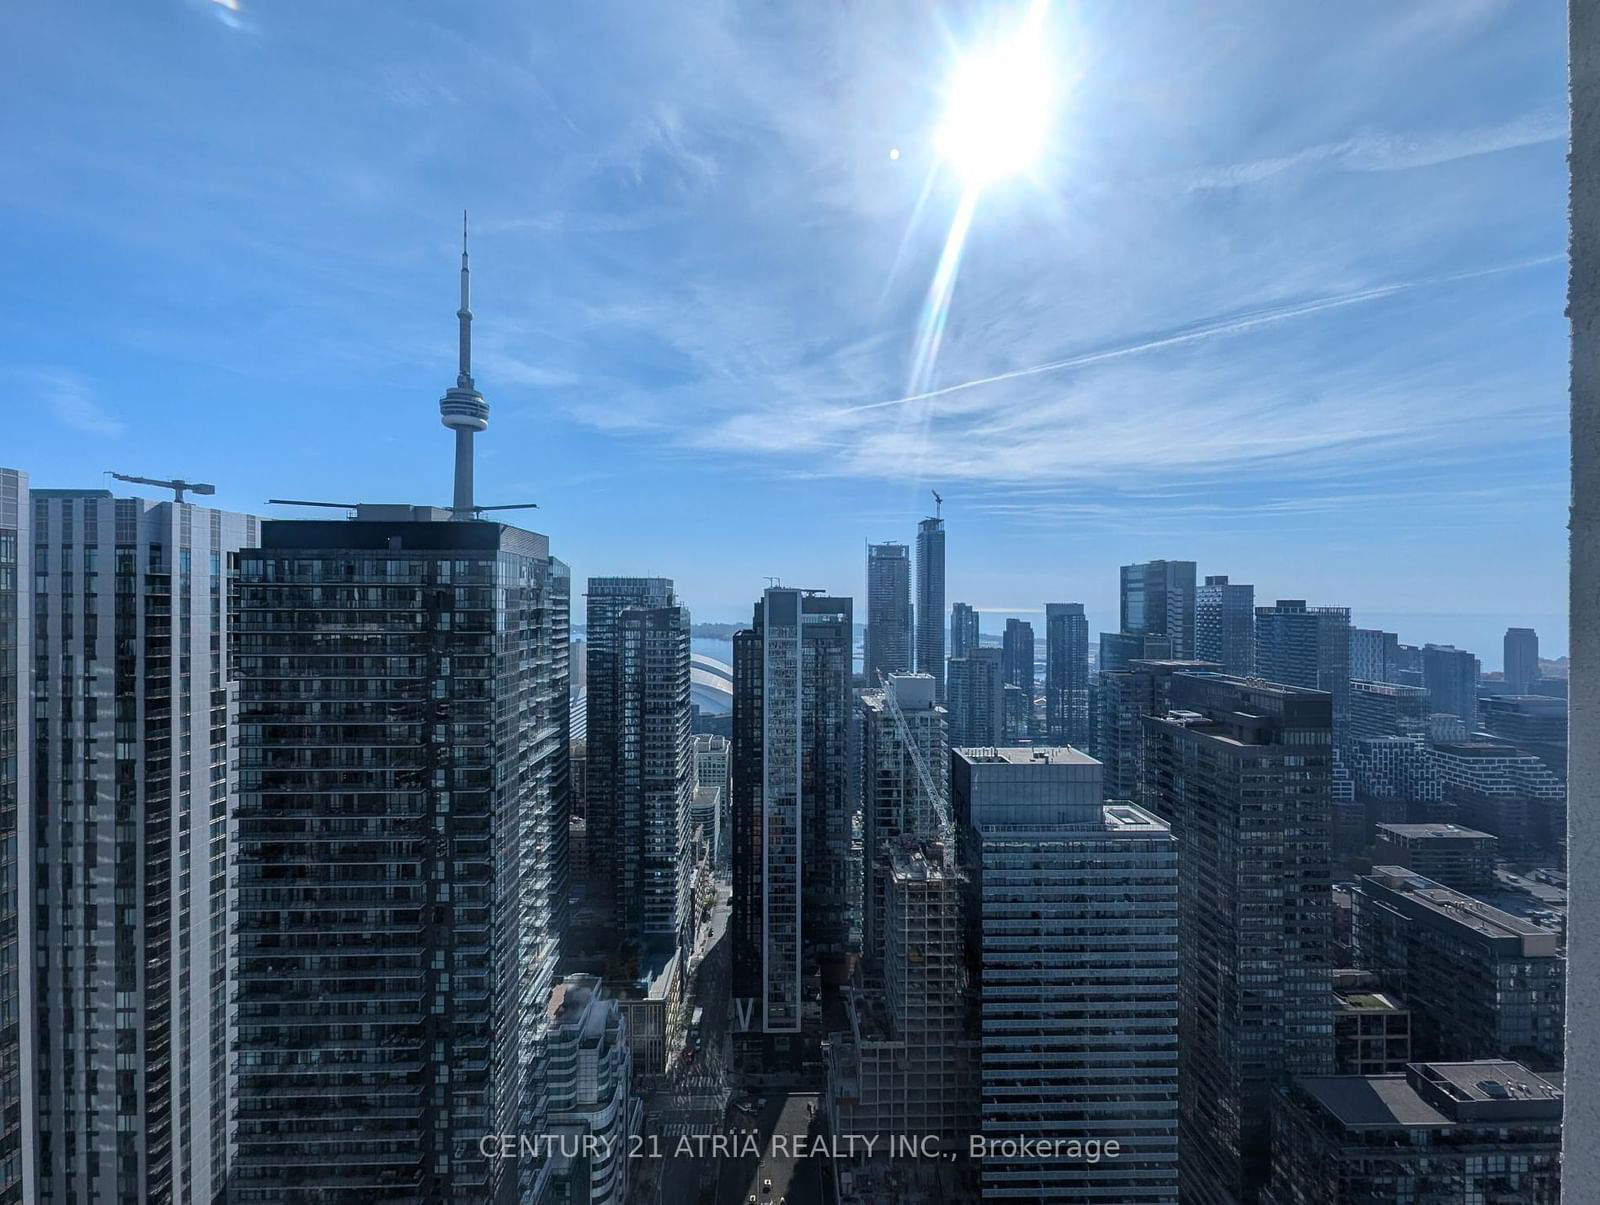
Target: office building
x,y
1535,724
640,770
592,1114
889,619
1241,770
1497,788
1480,982
906,1062
930,602
1521,664
1444,1133
791,817
1126,697
1371,1027
893,803
1017,669
978,698
116,873
1451,678
1387,709
17,1015
1118,650
1459,858
1374,655
401,858
963,630
1158,599
1066,675
1073,941
1225,625
1308,647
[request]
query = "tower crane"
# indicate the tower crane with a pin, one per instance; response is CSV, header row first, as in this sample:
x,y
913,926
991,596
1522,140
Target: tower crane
x,y
938,503
938,805
176,484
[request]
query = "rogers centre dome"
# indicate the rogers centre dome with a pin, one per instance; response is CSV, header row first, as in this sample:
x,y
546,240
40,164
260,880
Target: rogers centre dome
x,y
710,684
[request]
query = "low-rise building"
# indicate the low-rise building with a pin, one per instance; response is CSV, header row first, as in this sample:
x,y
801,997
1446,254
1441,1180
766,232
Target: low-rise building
x,y
1371,1027
1462,858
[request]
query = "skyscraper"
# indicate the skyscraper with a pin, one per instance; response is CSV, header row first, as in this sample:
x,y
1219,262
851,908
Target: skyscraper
x,y
978,698
401,853
930,601
963,630
1066,674
889,617
1521,659
1073,940
127,982
17,1017
1225,625
1118,650
1450,676
1308,647
1017,665
1126,696
1241,769
1158,599
1374,655
639,767
892,803
791,814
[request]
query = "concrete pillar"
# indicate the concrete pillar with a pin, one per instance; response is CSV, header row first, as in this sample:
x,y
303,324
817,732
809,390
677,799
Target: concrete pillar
x,y
1581,1136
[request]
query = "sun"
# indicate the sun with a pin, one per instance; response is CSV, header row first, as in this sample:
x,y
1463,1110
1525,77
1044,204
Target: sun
x,y
998,105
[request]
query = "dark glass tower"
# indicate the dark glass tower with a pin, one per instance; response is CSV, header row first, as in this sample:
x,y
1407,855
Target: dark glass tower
x,y
1307,647
1158,599
1242,770
1066,674
1225,625
1017,648
16,581
1521,665
791,817
889,618
401,859
930,601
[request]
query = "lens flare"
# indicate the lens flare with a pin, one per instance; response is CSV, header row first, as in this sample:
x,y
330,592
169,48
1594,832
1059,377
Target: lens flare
x,y
998,105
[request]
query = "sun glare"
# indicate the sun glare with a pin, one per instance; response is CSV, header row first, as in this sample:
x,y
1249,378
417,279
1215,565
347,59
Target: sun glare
x,y
998,105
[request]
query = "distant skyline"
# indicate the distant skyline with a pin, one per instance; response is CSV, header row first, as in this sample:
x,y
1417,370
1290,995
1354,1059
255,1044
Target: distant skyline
x,y
1285,297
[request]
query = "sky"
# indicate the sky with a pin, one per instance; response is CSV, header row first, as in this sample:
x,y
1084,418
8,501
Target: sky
x,y
1282,294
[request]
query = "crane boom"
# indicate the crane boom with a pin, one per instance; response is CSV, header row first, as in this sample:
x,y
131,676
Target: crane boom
x,y
176,484
937,804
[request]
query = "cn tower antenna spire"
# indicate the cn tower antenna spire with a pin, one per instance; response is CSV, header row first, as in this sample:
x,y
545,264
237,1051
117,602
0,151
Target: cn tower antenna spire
x,y
462,408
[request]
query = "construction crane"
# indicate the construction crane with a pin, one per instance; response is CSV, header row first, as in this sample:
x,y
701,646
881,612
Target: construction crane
x,y
938,503
175,484
938,805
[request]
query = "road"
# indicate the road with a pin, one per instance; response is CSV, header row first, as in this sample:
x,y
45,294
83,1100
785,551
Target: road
x,y
694,1099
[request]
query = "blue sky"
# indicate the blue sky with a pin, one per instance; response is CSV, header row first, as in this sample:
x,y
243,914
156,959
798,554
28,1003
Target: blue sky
x,y
1283,296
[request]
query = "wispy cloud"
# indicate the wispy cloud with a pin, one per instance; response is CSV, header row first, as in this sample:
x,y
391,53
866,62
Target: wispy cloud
x,y
74,403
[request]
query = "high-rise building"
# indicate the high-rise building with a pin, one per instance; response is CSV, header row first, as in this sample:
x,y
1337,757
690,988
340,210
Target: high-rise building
x,y
1158,599
122,1014
401,857
1535,724
1497,788
963,629
1120,649
1374,655
1481,983
1066,675
791,815
1241,769
1445,1133
1521,663
640,772
1225,625
591,1113
1126,697
17,1015
1017,668
978,698
1073,940
930,602
1451,678
1308,647
892,794
1387,709
889,617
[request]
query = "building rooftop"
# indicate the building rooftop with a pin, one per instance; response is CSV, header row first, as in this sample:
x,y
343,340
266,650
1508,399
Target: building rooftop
x,y
1415,832
1054,755
1464,910
1436,1095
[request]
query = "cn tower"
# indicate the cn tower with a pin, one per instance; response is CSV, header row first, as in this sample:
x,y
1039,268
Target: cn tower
x,y
462,408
